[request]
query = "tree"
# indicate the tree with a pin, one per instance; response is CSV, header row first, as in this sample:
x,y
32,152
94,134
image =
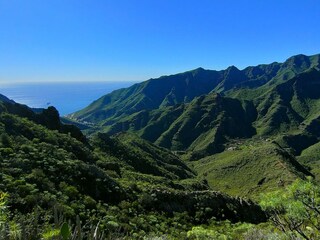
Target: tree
x,y
296,210
5,140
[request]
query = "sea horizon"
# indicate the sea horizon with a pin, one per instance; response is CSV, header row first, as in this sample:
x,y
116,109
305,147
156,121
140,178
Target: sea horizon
x,y
66,97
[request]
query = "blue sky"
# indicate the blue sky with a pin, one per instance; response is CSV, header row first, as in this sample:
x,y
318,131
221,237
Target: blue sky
x,y
132,40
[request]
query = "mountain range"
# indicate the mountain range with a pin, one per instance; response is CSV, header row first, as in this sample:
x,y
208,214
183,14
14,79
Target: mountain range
x,y
184,87
202,115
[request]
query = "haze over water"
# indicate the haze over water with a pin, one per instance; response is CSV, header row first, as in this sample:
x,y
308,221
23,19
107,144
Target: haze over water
x,y
66,97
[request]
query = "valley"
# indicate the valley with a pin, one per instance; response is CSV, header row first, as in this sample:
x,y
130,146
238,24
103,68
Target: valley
x,y
168,157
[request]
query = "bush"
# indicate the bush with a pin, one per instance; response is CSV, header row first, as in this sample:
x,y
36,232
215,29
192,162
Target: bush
x,y
295,211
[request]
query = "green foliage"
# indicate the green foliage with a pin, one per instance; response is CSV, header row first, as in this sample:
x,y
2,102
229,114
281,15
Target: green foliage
x,y
8,229
65,231
240,231
296,210
51,234
199,233
3,208
106,186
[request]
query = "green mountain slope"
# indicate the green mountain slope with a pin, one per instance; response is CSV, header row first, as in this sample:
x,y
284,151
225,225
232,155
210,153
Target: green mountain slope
x,y
287,105
211,118
249,168
39,157
310,157
143,156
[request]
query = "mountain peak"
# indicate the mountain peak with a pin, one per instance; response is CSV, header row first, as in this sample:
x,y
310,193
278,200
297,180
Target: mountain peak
x,y
232,76
198,70
298,60
298,56
232,67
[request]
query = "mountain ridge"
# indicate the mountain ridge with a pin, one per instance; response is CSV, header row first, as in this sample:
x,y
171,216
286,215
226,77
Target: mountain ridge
x,y
183,87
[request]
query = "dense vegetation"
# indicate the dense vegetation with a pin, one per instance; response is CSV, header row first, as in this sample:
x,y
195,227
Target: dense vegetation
x,y
52,174
170,158
295,211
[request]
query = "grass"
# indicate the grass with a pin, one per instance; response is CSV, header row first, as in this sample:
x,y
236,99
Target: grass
x,y
247,170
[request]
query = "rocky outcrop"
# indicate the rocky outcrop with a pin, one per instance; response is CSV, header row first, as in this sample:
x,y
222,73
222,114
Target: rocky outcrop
x,y
204,205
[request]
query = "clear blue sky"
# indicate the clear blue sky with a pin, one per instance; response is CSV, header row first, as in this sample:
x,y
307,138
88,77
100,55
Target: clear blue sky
x,y
91,40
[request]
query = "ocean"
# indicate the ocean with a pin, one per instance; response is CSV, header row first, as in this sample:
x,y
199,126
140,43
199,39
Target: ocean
x,y
66,97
